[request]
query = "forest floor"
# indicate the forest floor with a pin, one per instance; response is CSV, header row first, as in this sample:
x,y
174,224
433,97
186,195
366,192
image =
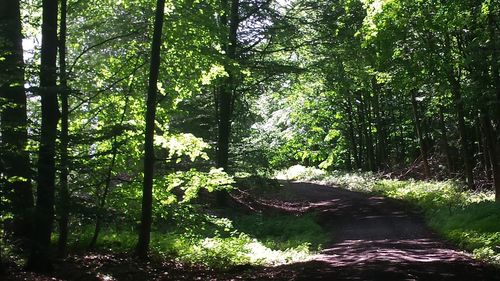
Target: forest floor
x,y
372,238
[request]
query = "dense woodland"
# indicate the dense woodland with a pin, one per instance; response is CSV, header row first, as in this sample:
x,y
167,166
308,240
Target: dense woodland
x,y
114,111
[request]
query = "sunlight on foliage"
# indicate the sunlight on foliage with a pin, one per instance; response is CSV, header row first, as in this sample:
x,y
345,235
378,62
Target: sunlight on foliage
x,y
191,182
299,172
179,145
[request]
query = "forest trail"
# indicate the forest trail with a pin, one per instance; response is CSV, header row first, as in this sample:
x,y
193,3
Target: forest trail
x,y
375,238
372,239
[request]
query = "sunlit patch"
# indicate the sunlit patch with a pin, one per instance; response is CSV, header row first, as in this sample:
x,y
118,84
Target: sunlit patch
x,y
105,277
260,254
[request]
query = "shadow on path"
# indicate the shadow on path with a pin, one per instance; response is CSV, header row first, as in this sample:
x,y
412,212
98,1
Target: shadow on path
x,y
374,238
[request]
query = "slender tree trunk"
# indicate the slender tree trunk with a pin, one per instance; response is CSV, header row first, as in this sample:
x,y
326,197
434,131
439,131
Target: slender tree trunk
x,y
107,185
40,258
495,73
482,147
2,265
444,141
348,161
492,153
226,95
418,129
456,91
64,197
379,136
402,143
104,196
14,157
352,136
392,139
368,134
142,247
495,77
361,133
464,142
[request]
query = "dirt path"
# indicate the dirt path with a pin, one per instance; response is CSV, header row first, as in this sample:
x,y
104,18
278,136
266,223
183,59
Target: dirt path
x,y
375,238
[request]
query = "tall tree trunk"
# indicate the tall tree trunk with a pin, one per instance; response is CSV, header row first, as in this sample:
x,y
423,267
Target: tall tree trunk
x,y
64,197
226,94
40,257
14,157
421,140
142,247
226,91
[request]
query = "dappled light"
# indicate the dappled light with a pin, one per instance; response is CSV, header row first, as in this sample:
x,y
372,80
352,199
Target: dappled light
x,y
399,252
249,140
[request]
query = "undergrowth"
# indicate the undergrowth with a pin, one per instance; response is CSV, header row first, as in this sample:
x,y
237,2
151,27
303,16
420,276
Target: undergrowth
x,y
467,218
191,236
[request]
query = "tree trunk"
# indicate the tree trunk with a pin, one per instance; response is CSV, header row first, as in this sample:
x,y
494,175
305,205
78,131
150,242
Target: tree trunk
x,y
444,141
352,136
492,153
421,140
40,257
402,143
361,133
482,147
370,153
107,185
64,197
226,91
456,91
495,75
379,136
464,143
14,157
226,95
142,247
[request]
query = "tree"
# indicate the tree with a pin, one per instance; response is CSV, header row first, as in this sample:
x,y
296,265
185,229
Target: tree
x,y
40,257
142,247
226,93
64,197
14,155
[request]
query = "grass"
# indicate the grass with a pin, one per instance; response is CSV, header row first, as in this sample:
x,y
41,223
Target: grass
x,y
283,232
469,219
